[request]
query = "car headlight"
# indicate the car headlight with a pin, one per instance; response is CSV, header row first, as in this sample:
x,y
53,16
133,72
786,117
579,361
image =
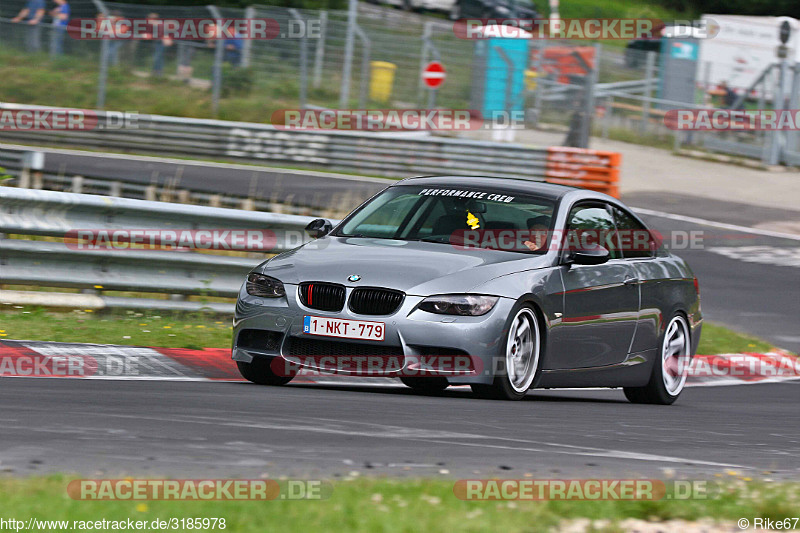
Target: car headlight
x,y
459,304
264,286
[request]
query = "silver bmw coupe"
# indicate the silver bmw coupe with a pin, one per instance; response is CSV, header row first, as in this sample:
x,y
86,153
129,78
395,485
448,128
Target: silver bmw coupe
x,y
501,284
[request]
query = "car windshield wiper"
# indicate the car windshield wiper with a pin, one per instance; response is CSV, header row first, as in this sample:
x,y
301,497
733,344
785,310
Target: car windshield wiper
x,y
440,240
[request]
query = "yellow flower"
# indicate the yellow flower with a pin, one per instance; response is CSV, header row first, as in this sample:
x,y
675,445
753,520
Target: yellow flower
x,y
3,334
167,327
98,286
143,324
200,326
142,507
88,311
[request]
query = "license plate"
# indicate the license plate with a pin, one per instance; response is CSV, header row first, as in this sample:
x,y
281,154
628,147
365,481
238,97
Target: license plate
x,y
348,329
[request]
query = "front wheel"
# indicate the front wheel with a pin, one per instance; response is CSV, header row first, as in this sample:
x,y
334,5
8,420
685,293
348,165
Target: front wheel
x,y
671,368
260,371
520,367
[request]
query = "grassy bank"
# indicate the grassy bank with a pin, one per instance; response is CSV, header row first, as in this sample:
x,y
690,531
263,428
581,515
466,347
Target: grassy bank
x,y
202,330
387,505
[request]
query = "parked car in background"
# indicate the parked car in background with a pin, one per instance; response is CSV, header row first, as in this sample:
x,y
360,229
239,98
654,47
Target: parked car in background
x,y
493,9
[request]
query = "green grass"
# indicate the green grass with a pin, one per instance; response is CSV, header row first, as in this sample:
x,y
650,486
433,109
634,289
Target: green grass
x,y
168,330
386,505
203,330
718,339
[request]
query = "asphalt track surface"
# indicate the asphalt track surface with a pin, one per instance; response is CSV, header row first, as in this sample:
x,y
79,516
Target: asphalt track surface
x,y
204,429
192,429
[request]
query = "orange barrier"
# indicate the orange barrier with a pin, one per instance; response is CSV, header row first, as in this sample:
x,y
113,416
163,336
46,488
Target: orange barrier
x,y
595,170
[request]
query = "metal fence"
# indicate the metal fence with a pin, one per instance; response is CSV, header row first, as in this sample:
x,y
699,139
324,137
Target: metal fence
x,y
189,276
398,155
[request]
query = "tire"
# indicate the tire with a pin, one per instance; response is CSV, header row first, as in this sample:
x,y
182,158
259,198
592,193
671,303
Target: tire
x,y
522,351
260,371
667,380
426,385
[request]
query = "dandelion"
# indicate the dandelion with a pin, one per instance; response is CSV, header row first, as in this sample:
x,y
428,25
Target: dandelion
x,y
167,327
200,326
98,286
142,508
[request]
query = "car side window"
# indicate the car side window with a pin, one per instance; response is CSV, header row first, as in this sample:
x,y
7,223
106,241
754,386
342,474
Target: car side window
x,y
636,240
591,224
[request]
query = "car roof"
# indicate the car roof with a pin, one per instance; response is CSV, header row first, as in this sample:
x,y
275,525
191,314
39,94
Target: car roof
x,y
519,185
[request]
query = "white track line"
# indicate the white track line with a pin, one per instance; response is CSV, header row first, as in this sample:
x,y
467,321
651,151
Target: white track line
x,y
721,225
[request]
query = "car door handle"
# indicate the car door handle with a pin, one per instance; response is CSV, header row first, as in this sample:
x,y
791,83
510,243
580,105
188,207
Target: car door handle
x,y
630,281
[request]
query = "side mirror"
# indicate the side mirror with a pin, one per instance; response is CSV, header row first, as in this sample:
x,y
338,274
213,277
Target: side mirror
x,y
318,227
592,256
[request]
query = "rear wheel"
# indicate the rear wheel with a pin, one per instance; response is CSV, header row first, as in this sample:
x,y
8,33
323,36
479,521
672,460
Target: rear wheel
x,y
425,385
520,367
671,368
260,371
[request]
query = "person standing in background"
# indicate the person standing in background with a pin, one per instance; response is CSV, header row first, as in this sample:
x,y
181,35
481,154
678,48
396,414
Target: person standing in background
x,y
60,16
32,14
160,43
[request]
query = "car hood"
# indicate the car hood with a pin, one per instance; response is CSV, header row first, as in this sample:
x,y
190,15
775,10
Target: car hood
x,y
416,268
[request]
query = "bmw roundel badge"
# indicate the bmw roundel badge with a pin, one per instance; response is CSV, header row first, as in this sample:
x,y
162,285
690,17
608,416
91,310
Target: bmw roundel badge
x,y
353,277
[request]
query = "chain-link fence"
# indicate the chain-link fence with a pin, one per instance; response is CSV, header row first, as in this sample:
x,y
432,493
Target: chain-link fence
x,y
607,89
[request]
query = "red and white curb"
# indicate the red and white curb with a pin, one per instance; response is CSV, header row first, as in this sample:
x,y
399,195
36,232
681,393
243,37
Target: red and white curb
x,y
103,361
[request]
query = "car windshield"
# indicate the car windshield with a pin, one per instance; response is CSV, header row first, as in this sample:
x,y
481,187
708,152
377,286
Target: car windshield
x,y
463,216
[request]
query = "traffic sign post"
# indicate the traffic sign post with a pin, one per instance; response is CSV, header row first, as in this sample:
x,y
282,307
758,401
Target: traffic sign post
x,y
433,75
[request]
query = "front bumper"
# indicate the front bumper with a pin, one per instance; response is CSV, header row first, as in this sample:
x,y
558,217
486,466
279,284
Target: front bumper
x,y
412,332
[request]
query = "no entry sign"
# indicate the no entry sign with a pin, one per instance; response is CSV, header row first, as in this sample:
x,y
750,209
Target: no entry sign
x,y
434,74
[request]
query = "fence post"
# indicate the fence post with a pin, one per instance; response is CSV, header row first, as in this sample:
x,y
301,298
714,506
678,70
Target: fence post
x,y
366,46
249,13
423,58
319,56
650,65
344,94
303,59
102,75
219,52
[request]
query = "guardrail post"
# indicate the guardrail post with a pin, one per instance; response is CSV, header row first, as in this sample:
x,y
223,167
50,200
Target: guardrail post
x,y
77,184
115,189
319,56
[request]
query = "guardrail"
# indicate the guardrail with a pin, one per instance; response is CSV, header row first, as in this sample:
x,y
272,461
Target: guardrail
x,y
63,263
395,154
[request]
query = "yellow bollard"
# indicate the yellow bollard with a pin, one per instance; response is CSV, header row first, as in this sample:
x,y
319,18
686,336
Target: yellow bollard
x,y
530,80
381,81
